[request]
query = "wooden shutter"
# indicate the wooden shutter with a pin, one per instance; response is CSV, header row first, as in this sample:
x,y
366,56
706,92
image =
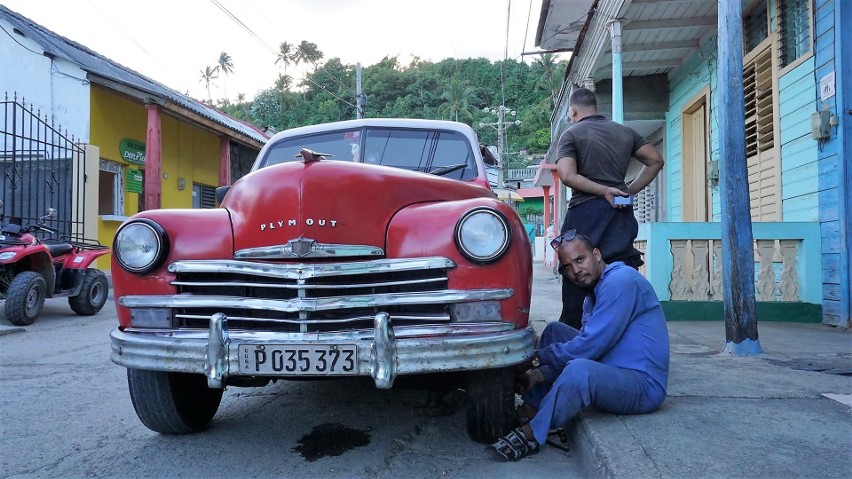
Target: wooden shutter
x,y
761,153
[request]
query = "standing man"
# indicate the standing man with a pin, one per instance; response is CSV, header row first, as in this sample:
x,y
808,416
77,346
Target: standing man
x,y
592,159
618,362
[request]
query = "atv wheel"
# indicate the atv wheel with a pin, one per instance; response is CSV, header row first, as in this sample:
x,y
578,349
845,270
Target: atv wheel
x,y
93,293
491,408
25,298
172,403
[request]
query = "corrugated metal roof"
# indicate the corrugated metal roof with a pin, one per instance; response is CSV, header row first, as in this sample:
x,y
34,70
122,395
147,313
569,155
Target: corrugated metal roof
x,y
657,36
94,63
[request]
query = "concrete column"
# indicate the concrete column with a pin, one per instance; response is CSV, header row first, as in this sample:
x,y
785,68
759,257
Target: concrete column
x,y
224,160
153,159
617,73
557,206
91,191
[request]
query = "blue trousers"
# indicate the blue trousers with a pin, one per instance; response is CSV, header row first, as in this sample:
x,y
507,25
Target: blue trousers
x,y
584,383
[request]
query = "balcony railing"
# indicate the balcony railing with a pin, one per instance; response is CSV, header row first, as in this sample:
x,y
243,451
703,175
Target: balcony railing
x,y
683,261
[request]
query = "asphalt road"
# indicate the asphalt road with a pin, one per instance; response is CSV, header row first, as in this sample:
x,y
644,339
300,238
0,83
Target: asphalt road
x,y
65,412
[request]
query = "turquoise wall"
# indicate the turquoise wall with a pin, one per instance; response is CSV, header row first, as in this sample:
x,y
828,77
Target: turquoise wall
x,y
832,188
799,165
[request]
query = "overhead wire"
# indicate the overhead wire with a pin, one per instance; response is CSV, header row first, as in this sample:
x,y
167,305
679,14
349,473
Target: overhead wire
x,y
251,32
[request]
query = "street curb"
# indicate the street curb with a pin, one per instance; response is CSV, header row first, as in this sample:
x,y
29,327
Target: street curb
x,y
594,437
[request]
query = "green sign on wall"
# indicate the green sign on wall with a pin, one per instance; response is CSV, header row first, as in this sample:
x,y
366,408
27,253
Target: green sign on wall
x,y
132,151
133,181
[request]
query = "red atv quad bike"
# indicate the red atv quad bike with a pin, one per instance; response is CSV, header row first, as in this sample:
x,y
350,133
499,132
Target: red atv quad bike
x,y
32,269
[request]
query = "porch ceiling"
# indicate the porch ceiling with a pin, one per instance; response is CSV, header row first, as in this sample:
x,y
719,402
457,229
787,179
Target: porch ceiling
x,y
657,35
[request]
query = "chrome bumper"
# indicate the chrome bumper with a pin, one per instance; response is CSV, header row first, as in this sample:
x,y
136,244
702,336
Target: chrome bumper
x,y
383,353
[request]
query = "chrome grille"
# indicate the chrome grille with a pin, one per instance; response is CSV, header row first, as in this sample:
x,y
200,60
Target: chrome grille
x,y
310,297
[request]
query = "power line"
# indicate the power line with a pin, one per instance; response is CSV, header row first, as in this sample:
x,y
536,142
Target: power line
x,y
243,25
251,32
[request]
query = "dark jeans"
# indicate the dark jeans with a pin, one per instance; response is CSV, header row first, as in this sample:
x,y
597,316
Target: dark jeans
x,y
612,231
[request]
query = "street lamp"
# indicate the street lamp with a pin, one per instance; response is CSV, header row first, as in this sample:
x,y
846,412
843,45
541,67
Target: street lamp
x,y
501,126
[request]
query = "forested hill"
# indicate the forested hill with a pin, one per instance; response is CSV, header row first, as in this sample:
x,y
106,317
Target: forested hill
x,y
451,89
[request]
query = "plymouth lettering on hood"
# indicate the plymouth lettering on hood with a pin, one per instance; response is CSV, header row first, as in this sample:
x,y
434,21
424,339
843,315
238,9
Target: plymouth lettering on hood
x,y
293,222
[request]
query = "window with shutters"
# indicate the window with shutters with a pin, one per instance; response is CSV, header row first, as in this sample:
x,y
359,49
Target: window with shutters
x,y
755,26
761,153
794,26
203,196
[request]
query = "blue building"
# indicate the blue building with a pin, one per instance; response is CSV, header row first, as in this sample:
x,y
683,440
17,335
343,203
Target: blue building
x,y
653,65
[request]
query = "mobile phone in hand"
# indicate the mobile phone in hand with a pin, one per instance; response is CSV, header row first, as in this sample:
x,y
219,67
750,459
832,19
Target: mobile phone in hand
x,y
623,200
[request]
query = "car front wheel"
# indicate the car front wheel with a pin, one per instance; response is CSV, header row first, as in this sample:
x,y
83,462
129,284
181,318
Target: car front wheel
x,y
172,403
491,408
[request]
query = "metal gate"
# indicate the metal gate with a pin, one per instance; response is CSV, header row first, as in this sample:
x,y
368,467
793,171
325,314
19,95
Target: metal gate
x,y
42,168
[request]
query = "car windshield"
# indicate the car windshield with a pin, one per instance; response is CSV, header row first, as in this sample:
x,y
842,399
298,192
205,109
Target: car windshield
x,y
444,153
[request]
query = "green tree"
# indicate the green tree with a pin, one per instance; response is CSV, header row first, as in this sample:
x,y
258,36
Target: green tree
x,y
459,100
285,55
208,75
226,66
546,67
307,52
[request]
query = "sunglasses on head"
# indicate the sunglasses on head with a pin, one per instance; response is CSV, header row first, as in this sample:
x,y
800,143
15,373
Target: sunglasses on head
x,y
566,236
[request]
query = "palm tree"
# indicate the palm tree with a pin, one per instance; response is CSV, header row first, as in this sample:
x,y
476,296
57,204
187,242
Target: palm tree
x,y
307,52
459,99
285,55
207,75
548,80
282,86
226,66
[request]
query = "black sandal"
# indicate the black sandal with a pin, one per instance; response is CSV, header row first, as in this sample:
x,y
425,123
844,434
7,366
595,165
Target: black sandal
x,y
514,446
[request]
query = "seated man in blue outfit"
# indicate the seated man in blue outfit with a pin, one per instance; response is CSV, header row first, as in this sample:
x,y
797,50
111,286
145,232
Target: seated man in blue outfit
x,y
618,361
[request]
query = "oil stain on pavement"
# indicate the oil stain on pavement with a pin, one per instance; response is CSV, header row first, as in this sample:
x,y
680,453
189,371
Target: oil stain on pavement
x,y
330,439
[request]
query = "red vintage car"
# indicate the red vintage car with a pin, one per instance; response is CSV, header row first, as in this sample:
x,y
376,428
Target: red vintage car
x,y
359,248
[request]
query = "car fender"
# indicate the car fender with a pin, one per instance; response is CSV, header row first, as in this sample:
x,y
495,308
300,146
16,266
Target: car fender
x,y
192,234
428,229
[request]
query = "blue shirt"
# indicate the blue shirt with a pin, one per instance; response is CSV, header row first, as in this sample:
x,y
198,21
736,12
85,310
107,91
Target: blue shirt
x,y
623,326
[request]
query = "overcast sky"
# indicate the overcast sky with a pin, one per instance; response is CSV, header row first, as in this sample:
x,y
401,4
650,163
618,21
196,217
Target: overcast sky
x,y
172,41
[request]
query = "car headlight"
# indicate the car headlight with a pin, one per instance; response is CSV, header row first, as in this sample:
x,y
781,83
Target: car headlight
x,y
483,235
140,246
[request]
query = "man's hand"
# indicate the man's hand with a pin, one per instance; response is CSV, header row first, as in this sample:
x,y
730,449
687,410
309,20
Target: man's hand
x,y
611,193
528,380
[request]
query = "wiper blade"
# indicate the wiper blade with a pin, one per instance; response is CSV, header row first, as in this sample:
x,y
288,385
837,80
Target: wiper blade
x,y
443,170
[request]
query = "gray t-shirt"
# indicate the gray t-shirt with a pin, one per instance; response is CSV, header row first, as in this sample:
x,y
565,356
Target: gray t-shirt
x,y
602,148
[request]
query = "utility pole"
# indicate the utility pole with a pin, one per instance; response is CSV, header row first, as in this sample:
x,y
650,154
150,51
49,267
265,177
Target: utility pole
x,y
501,126
359,97
501,114
737,238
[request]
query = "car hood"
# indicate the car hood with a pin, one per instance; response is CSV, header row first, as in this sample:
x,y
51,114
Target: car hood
x,y
331,202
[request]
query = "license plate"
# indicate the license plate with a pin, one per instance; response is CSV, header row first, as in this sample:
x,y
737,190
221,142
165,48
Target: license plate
x,y
291,360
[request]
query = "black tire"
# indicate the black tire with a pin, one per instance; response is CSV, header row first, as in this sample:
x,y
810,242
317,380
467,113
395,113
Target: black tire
x,y
93,293
491,404
172,403
25,298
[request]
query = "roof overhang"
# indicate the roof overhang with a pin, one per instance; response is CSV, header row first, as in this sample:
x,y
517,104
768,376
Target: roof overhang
x,y
174,109
658,36
561,22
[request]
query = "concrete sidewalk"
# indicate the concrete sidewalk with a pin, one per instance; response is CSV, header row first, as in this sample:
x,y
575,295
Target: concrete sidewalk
x,y
727,416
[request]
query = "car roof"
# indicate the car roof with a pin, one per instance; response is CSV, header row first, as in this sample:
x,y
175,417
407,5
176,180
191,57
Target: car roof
x,y
376,122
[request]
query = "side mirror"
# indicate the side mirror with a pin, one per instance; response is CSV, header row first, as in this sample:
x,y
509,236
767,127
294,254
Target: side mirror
x,y
221,191
50,213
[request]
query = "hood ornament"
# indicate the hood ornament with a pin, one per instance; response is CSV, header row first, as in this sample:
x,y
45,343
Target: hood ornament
x,y
311,156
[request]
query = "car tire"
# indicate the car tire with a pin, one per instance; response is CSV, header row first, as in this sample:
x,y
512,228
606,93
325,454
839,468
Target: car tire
x,y
93,293
491,404
25,298
172,403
